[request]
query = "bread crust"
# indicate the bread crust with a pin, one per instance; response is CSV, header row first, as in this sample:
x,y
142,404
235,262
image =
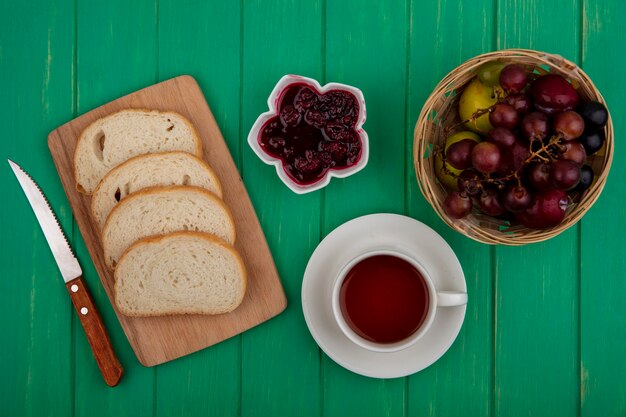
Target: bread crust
x,y
81,137
210,172
200,235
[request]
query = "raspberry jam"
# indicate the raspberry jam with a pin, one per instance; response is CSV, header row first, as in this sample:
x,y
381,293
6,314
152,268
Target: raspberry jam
x,y
313,133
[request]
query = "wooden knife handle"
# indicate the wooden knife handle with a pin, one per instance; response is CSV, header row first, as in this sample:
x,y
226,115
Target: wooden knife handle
x,y
96,333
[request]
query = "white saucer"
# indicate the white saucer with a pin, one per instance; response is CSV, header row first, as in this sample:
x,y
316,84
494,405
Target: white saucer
x,y
360,235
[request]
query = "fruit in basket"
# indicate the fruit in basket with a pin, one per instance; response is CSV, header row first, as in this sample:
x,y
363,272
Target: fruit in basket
x,y
477,97
486,157
552,93
564,174
531,158
459,154
594,113
513,78
489,73
503,115
569,124
592,141
448,176
547,210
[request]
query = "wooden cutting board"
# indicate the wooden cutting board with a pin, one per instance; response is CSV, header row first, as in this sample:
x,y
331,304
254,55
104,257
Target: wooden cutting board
x,y
160,339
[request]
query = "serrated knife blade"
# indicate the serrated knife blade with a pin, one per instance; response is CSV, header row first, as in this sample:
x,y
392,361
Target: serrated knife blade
x,y
63,255
88,315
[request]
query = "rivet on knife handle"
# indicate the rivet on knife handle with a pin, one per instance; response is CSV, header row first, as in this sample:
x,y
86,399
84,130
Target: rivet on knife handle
x,y
96,334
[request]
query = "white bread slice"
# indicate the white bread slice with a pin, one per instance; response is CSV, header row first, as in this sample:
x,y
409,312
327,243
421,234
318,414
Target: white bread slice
x,y
109,141
179,273
150,170
161,210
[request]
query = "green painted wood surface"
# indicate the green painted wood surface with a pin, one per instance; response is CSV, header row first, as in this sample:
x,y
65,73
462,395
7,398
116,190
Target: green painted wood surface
x,y
544,333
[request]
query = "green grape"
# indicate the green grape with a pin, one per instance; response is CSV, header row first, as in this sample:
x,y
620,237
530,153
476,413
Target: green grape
x,y
489,73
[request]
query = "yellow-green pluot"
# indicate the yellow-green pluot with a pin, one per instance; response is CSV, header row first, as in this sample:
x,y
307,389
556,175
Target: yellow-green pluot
x,y
477,96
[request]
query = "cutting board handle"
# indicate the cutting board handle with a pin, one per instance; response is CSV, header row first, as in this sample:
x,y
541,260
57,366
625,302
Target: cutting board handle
x,y
97,336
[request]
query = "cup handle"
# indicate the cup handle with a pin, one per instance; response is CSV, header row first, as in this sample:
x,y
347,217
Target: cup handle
x,y
451,298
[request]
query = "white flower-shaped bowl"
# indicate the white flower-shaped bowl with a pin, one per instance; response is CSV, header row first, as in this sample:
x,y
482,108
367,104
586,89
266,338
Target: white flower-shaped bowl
x,y
273,103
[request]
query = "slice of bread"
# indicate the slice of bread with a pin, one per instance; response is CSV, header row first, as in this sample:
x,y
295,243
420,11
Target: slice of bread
x,y
161,210
109,141
150,170
179,273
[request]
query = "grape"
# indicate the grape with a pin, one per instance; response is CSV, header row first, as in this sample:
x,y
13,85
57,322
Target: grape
x,y
489,73
595,114
564,174
486,157
513,158
535,125
459,154
457,205
491,203
517,198
538,175
547,210
502,137
519,101
503,115
551,94
469,183
592,141
513,78
586,178
573,151
569,124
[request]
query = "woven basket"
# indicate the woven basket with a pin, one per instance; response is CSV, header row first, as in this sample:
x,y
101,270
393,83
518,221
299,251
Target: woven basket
x,y
440,111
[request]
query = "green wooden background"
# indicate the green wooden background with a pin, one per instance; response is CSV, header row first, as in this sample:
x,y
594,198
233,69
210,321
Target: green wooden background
x,y
545,331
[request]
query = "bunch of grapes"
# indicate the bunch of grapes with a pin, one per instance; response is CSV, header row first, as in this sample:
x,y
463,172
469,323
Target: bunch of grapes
x,y
533,161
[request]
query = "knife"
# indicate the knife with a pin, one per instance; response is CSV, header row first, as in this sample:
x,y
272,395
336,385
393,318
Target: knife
x,y
72,275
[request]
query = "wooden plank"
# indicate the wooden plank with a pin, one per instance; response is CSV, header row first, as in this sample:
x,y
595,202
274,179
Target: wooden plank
x,y
537,286
436,48
366,47
603,256
280,360
116,54
188,42
36,358
156,340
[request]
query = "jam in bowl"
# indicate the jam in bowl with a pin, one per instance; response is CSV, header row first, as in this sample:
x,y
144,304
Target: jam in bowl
x,y
311,133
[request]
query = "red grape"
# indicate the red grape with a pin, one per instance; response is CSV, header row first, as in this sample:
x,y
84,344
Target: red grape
x,y
535,125
491,203
586,178
457,205
538,175
552,93
573,151
513,158
564,174
592,141
595,114
502,137
486,157
503,115
547,210
569,124
519,101
459,154
469,183
513,78
517,198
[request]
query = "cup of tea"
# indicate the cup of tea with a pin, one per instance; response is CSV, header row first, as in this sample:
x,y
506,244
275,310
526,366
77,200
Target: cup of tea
x,y
385,300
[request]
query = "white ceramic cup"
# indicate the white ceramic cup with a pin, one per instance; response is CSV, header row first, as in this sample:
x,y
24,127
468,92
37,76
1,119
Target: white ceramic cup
x,y
436,299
